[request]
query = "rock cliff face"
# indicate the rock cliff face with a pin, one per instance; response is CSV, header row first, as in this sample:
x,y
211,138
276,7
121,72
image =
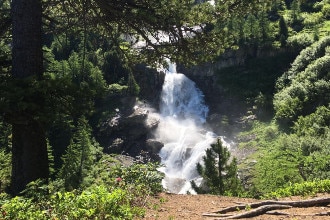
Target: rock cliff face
x,y
151,82
129,131
227,112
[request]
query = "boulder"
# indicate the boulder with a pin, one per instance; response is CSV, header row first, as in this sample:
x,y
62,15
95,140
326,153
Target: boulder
x,y
154,145
128,131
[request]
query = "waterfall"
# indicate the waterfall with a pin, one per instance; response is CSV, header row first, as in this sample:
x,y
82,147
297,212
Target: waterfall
x,y
181,98
183,113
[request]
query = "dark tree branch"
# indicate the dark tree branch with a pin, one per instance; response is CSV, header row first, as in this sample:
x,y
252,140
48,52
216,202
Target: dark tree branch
x,y
263,207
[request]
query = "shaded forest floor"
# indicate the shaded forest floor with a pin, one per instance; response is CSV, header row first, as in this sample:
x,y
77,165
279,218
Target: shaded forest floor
x,y
171,206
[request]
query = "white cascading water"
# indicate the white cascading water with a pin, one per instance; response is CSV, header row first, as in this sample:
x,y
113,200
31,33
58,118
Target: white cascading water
x,y
183,114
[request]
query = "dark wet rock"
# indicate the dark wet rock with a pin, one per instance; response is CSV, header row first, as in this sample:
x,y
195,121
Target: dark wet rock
x,y
128,131
154,145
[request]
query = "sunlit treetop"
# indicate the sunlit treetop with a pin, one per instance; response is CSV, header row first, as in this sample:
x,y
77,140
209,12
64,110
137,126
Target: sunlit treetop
x,y
182,30
149,30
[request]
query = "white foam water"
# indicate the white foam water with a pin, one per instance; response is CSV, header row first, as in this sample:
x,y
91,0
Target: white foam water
x,y
183,113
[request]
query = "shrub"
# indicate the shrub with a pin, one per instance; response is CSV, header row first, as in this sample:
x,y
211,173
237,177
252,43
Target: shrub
x,y
97,202
117,89
305,86
326,11
300,41
5,169
301,189
315,124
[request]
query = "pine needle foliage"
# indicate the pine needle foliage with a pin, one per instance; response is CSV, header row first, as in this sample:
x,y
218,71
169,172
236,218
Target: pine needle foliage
x,y
219,171
79,156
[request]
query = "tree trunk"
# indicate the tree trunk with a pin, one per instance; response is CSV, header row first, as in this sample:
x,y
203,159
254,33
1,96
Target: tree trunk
x,y
29,155
27,38
29,147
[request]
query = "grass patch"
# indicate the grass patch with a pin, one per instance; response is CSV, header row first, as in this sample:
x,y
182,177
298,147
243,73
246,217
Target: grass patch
x,y
301,189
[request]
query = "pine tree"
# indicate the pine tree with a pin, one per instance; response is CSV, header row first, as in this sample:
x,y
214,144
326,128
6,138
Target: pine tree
x,y
283,31
133,87
79,156
218,172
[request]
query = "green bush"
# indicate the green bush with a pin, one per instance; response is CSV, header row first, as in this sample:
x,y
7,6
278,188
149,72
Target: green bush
x,y
117,89
315,124
96,202
79,157
140,179
110,191
22,208
326,11
299,41
5,169
305,58
276,167
294,158
301,189
305,86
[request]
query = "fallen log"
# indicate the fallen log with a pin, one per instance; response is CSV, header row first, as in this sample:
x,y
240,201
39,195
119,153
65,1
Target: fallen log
x,y
302,203
323,213
312,214
255,212
216,215
276,213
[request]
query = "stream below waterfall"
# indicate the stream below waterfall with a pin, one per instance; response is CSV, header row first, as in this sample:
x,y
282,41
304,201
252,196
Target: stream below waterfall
x,y
183,114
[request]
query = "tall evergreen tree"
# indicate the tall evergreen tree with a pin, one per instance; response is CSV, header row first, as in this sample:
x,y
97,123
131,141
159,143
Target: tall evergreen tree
x,y
79,156
283,31
29,146
218,172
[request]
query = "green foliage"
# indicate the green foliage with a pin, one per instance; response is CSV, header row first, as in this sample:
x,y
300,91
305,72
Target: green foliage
x,y
110,191
5,32
21,208
218,172
300,41
144,177
283,32
133,88
5,135
253,81
312,19
305,86
139,179
96,202
305,58
314,132
255,29
69,90
5,56
301,189
5,169
282,159
326,11
79,157
276,167
295,14
315,124
5,155
117,89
